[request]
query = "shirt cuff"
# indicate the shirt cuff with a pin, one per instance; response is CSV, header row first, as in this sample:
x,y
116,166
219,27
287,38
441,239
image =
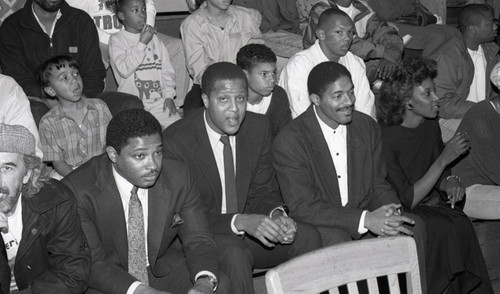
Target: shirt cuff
x,y
233,227
361,228
132,287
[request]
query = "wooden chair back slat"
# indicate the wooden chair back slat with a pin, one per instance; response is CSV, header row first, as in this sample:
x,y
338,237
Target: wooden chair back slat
x,y
346,263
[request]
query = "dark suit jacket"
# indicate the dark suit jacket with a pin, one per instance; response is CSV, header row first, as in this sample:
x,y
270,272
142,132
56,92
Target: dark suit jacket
x,y
256,185
53,256
308,179
278,113
103,221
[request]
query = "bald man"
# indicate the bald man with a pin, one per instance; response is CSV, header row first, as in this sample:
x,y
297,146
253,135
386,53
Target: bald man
x,y
335,34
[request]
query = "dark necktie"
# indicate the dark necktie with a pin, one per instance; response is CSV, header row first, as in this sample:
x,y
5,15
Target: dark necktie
x,y
229,178
137,263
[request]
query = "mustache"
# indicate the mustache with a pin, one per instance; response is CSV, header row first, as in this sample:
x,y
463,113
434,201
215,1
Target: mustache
x,y
345,108
4,190
152,173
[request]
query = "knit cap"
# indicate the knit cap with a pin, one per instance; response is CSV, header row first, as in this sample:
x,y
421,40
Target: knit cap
x,y
16,139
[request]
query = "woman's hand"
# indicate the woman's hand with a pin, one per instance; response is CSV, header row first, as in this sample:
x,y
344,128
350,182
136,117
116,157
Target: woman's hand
x,y
455,190
457,146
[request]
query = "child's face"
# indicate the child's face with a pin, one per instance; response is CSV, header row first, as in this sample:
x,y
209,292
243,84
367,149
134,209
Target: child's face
x,y
220,4
65,82
133,15
262,78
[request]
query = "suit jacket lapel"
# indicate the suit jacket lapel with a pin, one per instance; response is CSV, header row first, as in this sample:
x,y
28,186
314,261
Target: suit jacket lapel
x,y
323,157
354,166
112,207
206,159
160,208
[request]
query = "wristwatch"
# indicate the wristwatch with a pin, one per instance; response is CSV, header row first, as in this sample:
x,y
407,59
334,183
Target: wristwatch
x,y
212,280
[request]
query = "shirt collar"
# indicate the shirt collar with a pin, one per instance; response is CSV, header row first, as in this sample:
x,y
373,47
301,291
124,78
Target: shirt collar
x,y
478,52
58,16
203,14
124,186
327,130
213,136
86,105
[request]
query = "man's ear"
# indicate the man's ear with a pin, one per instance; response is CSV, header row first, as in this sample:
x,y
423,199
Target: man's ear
x,y
315,99
112,154
320,34
49,91
205,99
27,176
247,73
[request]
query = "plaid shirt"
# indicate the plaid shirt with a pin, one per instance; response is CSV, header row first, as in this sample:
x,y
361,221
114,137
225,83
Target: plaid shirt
x,y
64,140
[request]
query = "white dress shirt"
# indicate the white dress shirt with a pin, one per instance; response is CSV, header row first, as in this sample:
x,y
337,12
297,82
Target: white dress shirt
x,y
294,79
218,151
477,91
336,139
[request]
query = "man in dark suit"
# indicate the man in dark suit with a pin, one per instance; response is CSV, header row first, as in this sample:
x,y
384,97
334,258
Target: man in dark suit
x,y
133,205
329,166
227,151
42,246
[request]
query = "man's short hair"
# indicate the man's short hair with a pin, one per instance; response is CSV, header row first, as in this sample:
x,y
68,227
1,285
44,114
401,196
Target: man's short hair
x,y
218,72
129,124
252,54
472,14
325,74
43,71
328,15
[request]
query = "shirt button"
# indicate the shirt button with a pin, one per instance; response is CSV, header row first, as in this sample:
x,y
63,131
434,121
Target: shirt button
x,y
338,176
337,154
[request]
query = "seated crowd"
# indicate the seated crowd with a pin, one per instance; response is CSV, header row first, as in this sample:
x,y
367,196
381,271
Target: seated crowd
x,y
162,188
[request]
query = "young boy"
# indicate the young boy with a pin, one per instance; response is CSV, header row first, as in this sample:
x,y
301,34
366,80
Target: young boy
x,y
141,63
213,33
74,130
264,97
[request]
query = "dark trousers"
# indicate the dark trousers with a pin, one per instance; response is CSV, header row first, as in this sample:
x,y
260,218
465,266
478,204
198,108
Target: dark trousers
x,y
116,101
238,256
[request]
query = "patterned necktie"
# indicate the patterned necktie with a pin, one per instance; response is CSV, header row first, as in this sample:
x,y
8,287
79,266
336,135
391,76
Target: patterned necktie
x,y
230,181
137,263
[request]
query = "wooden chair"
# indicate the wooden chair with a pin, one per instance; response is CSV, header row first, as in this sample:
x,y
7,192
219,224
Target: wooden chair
x,y
344,264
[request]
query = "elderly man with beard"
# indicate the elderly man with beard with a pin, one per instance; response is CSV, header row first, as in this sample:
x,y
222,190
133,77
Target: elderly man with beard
x,y
42,246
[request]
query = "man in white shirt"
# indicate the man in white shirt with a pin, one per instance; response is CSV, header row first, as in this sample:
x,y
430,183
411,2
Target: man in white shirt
x,y
464,63
42,246
335,34
135,207
228,154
